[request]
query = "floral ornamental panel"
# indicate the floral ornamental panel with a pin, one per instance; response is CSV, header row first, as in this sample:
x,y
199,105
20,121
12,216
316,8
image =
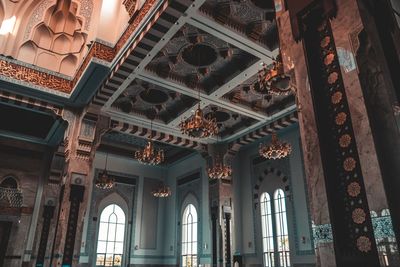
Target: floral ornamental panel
x,y
382,229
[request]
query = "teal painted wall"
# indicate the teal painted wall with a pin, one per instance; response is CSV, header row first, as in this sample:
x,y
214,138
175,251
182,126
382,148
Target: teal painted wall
x,y
247,240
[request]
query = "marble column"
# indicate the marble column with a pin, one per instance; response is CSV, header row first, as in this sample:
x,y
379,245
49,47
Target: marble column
x,y
294,60
220,193
81,139
336,52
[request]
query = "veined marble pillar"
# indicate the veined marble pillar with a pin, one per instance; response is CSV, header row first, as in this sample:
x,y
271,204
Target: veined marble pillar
x,y
82,136
319,40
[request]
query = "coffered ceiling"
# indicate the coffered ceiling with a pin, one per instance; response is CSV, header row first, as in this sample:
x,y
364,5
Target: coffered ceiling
x,y
206,48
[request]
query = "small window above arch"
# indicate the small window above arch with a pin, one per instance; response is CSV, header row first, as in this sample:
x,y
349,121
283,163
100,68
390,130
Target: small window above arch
x,y
9,182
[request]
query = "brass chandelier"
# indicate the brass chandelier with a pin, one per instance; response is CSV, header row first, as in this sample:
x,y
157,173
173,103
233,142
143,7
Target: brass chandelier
x,y
199,126
219,170
149,155
162,192
276,149
273,79
104,181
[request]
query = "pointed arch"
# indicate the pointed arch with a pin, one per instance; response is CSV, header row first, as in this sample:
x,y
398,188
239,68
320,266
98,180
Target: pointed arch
x,y
68,65
27,52
282,234
189,242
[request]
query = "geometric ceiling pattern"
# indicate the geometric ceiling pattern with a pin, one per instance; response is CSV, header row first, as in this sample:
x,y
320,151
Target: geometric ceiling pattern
x,y
174,56
207,52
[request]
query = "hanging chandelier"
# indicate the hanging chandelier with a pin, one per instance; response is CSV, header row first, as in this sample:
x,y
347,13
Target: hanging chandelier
x,y
273,79
161,192
149,155
104,181
219,170
199,126
276,149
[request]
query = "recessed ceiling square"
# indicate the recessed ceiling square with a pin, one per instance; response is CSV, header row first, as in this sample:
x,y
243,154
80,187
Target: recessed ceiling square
x,y
142,98
197,59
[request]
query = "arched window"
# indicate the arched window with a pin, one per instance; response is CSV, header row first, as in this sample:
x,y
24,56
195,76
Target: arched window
x,y
189,236
275,238
281,228
110,242
267,233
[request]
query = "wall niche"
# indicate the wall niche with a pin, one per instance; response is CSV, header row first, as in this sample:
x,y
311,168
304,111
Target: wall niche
x,y
58,41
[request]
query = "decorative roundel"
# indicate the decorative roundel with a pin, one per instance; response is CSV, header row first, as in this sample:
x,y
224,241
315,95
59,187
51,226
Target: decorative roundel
x,y
349,164
345,140
336,97
364,244
358,216
329,59
325,42
333,77
340,118
354,189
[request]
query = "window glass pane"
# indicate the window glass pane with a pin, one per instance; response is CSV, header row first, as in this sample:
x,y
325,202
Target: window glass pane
x,y
117,260
119,246
189,236
120,214
120,232
106,213
109,260
111,236
101,247
282,228
103,231
112,228
113,218
110,247
100,259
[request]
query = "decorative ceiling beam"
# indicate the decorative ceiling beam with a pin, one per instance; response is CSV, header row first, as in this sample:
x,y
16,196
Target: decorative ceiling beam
x,y
207,99
158,136
230,36
253,136
136,69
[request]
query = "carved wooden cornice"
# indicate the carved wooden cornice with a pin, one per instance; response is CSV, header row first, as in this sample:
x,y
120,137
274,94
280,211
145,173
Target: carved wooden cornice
x,y
130,6
23,73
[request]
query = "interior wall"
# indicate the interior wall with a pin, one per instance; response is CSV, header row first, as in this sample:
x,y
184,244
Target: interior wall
x,y
24,220
189,183
146,245
248,221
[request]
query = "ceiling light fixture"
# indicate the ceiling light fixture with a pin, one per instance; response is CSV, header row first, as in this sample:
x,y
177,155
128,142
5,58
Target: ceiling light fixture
x,y
149,155
198,125
162,192
219,170
276,149
104,181
273,80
